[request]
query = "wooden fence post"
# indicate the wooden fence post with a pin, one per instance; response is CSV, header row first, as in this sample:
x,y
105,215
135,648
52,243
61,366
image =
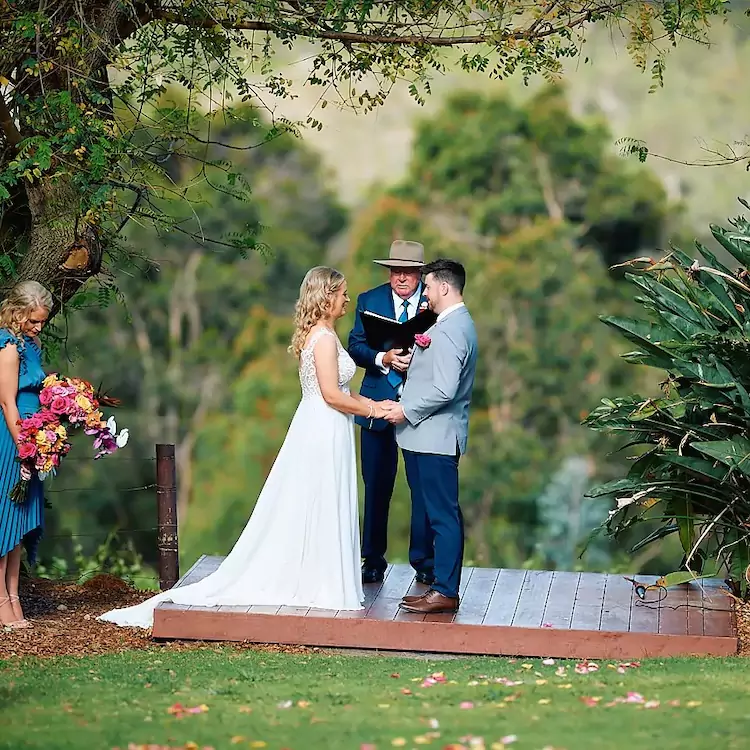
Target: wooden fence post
x,y
166,496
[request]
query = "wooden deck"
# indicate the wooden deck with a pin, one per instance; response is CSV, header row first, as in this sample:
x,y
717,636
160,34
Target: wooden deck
x,y
503,612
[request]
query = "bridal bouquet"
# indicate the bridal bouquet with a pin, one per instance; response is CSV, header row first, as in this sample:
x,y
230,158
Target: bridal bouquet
x,y
67,404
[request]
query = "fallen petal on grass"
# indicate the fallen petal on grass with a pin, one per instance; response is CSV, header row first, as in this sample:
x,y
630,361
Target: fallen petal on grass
x,y
586,667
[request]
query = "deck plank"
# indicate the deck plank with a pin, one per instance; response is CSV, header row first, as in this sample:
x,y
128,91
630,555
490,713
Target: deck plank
x,y
562,595
719,618
385,606
505,597
673,611
616,605
587,608
477,596
644,614
533,599
695,611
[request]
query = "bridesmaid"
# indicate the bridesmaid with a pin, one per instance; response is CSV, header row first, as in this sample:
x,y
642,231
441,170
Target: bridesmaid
x,y
22,316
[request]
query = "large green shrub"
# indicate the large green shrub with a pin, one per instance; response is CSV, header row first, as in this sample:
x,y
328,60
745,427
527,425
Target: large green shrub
x,y
690,474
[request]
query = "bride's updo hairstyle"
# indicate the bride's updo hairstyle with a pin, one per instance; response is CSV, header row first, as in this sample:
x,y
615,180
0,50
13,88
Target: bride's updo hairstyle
x,y
315,295
22,300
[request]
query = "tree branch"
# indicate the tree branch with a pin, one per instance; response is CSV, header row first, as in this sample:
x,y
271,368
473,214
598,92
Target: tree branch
x,y
534,32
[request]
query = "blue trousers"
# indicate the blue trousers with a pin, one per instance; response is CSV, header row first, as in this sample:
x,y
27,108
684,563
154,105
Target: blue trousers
x,y
433,480
379,457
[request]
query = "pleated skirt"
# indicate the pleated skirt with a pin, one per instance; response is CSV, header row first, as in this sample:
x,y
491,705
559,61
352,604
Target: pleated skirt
x,y
19,523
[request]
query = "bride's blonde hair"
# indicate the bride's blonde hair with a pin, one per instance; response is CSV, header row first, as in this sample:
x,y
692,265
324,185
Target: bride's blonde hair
x,y
315,295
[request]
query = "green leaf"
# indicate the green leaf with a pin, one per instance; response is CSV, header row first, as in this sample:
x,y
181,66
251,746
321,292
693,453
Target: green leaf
x,y
644,334
695,465
682,510
738,245
686,329
668,299
711,259
683,576
734,453
616,485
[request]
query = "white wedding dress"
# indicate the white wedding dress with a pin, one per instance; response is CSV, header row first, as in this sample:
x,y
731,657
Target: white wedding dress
x,y
301,544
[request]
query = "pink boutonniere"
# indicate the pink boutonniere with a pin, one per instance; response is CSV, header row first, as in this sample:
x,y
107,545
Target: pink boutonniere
x,y
422,340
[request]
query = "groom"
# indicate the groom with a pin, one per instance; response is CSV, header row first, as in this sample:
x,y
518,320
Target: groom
x,y
432,424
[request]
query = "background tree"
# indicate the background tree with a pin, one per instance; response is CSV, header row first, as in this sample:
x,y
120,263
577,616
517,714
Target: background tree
x,y
193,325
536,285
84,134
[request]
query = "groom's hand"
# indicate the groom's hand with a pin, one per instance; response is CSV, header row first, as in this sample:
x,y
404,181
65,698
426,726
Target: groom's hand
x,y
395,415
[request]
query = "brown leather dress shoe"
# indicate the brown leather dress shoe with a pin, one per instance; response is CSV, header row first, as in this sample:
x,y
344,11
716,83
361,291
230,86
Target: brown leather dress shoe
x,y
431,603
415,597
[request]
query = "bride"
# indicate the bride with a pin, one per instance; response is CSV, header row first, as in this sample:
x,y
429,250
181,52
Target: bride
x,y
301,544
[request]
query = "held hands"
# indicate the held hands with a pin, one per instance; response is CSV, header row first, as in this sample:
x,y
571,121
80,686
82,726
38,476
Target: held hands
x,y
388,410
394,412
395,359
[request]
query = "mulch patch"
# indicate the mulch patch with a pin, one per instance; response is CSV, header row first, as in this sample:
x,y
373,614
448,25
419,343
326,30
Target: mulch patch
x,y
743,628
64,622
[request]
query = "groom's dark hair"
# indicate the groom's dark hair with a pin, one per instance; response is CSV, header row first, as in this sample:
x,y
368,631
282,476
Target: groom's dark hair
x,y
449,271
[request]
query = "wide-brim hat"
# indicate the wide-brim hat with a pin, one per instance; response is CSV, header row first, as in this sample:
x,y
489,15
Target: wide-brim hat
x,y
404,254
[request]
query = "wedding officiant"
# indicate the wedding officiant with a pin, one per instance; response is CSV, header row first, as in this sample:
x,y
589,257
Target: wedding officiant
x,y
400,300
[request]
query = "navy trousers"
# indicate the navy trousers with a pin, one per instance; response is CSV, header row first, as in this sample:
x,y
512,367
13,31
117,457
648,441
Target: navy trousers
x,y
379,456
433,480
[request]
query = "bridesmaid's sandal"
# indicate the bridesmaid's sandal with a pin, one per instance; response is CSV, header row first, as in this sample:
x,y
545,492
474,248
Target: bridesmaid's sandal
x,y
23,622
16,624
3,602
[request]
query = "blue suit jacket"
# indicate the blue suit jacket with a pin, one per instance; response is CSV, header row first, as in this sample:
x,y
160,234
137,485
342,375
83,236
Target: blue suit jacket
x,y
375,385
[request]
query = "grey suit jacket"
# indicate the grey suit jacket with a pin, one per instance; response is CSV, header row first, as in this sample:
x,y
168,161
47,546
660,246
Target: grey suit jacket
x,y
438,387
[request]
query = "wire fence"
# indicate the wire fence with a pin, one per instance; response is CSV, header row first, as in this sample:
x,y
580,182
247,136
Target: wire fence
x,y
116,551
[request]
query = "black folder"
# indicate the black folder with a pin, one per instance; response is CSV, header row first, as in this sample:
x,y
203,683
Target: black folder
x,y
385,333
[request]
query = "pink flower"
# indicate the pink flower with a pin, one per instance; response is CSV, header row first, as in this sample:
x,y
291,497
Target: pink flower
x,y
34,422
60,405
45,397
26,450
422,340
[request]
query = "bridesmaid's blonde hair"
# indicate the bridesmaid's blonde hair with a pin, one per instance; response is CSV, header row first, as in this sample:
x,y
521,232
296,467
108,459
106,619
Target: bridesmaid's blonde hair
x,y
315,294
21,301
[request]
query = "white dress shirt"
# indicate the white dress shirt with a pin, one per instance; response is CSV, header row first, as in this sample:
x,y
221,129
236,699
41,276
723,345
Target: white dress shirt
x,y
449,310
412,307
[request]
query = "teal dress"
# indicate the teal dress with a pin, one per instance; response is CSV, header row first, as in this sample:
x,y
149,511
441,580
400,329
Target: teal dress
x,y
21,523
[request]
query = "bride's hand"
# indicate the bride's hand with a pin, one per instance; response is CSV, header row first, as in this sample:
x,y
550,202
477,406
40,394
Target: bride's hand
x,y
381,409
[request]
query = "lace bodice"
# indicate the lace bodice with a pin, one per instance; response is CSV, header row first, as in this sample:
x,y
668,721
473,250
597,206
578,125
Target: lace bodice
x,y
307,375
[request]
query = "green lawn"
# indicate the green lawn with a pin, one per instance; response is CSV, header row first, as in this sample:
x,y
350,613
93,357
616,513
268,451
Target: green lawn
x,y
252,699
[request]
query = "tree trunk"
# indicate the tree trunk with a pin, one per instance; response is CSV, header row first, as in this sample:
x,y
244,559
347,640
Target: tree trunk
x,y
63,251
